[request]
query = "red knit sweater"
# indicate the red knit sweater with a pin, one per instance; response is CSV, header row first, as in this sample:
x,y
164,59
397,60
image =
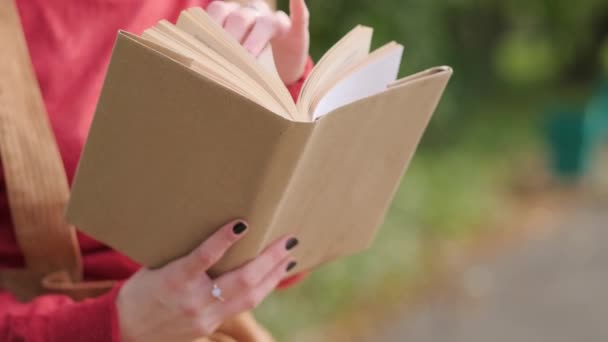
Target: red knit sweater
x,y
70,42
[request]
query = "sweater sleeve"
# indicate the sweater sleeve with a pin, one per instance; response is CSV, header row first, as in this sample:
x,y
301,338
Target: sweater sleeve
x,y
56,318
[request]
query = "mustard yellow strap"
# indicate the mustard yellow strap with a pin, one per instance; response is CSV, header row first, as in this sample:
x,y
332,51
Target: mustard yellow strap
x,y
36,183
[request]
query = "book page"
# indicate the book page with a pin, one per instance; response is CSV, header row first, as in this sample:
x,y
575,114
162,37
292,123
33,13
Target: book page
x,y
196,22
444,69
266,60
370,77
349,51
212,65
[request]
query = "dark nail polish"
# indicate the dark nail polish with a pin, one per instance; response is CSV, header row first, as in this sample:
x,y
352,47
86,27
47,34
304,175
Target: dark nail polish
x,y
239,228
291,266
291,243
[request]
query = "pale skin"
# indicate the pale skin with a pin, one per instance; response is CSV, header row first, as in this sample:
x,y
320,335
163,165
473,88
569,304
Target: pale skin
x,y
256,27
175,302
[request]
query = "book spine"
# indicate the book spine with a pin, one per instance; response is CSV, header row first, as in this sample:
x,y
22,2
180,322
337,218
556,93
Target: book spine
x,y
288,161
287,218
270,193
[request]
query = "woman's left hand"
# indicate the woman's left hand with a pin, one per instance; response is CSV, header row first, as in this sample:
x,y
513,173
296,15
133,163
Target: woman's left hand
x,y
256,25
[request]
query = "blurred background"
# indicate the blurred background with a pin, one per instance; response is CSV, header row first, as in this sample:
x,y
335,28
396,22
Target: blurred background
x,y
499,229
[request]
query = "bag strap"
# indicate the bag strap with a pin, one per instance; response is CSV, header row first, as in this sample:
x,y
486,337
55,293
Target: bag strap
x,y
36,184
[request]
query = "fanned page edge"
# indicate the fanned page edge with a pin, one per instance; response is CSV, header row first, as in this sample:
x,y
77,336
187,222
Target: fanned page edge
x,y
438,71
350,50
212,64
378,70
187,63
421,75
264,77
161,39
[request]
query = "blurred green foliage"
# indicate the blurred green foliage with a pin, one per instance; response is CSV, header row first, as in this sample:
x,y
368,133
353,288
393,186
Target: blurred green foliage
x,y
512,60
479,38
493,45
449,193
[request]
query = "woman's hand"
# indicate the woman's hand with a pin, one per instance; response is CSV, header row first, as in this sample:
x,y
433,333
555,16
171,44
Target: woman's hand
x,y
257,25
176,302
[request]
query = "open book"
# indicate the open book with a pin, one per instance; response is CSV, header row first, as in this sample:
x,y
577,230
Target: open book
x,y
192,131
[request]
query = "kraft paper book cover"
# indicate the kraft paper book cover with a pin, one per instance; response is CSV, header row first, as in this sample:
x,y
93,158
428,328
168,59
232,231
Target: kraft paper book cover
x,y
191,131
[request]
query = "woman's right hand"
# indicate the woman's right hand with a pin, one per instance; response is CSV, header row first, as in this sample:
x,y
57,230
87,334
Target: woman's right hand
x,y
175,303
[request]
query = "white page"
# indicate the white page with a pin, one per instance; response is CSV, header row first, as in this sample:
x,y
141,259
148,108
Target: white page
x,y
266,60
368,80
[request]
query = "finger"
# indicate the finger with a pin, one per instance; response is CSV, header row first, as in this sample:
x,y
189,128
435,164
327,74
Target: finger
x,y
282,23
247,277
300,16
261,6
263,31
210,251
250,300
239,23
220,10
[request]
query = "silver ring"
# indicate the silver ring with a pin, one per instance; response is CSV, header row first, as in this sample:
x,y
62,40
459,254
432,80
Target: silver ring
x,y
217,293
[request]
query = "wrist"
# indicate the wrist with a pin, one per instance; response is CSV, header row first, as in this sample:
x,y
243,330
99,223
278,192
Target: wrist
x,y
124,315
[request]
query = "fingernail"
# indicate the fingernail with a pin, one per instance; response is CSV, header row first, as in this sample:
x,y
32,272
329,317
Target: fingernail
x,y
239,228
291,243
291,266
